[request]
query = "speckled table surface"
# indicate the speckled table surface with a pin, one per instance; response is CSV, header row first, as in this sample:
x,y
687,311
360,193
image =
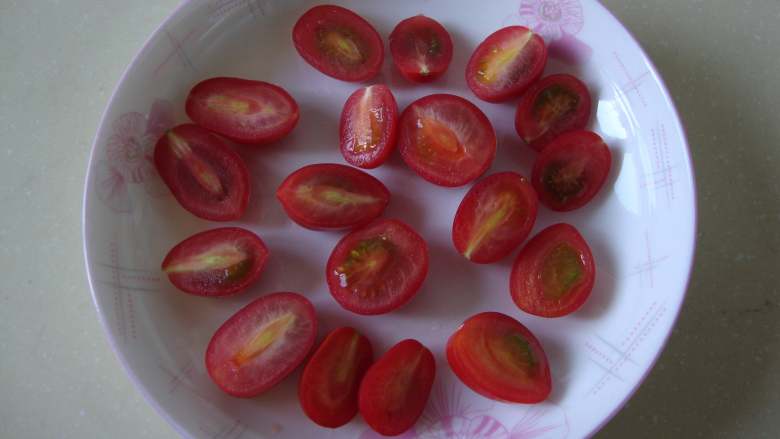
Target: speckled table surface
x,y
717,377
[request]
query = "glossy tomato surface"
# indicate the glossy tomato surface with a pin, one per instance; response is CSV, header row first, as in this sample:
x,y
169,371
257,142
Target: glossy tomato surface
x,y
216,262
499,358
329,386
554,273
245,111
369,126
421,48
339,43
506,63
571,170
495,216
395,390
552,106
332,196
205,175
261,344
446,139
377,268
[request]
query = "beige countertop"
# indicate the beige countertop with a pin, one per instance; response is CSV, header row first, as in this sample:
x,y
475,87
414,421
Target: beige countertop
x,y
60,60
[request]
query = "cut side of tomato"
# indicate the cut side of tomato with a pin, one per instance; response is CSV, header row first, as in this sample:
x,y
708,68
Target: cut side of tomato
x,y
216,262
554,273
244,111
395,390
368,127
571,170
378,268
499,358
495,216
446,139
261,344
554,105
339,43
206,176
506,63
332,196
421,48
329,386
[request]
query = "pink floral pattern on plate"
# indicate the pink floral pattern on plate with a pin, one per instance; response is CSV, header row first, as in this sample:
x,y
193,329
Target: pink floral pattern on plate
x,y
129,154
558,21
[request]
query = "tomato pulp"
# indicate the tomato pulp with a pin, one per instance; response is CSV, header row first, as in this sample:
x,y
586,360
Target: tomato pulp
x,y
552,106
571,170
506,63
331,196
554,273
369,126
421,48
216,262
204,174
446,139
261,344
328,390
495,216
339,43
499,358
395,389
244,111
377,268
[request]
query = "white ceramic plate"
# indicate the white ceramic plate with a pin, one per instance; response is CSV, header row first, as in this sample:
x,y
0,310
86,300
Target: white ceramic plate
x,y
641,226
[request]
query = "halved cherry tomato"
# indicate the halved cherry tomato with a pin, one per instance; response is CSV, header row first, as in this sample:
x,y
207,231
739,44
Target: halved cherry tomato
x,y
368,127
446,139
499,358
395,390
261,344
216,262
570,171
244,111
205,175
421,48
495,216
554,273
506,63
339,43
328,390
554,105
331,196
378,268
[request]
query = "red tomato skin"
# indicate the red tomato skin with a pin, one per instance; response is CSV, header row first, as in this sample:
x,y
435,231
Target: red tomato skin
x,y
514,233
481,383
212,360
455,177
229,209
369,184
525,270
210,119
408,33
372,399
317,371
525,121
219,235
518,87
389,133
579,144
420,260
305,42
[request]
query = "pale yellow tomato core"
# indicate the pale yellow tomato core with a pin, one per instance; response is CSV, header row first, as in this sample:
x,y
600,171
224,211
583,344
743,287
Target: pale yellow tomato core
x,y
264,338
203,172
499,63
